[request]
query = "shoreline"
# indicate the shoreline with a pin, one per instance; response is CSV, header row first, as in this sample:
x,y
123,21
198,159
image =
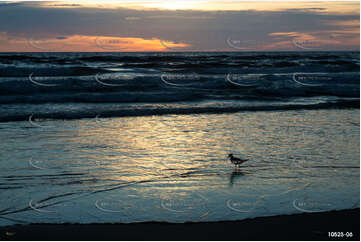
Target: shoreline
x,y
305,226
126,113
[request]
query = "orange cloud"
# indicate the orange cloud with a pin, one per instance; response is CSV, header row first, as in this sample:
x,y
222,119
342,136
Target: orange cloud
x,y
82,43
321,39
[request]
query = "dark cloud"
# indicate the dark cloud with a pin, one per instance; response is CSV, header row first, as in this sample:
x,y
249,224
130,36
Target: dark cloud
x,y
65,5
10,4
305,9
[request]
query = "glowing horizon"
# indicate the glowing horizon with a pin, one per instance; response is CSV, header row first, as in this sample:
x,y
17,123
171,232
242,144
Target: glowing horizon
x,y
178,26
206,5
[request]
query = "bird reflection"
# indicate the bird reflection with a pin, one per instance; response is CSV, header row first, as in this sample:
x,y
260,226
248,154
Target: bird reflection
x,y
235,173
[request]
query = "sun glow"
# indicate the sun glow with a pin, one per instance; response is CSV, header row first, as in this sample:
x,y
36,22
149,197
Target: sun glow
x,y
174,5
211,5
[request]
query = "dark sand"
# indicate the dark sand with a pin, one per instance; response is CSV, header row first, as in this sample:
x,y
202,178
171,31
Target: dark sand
x,y
307,226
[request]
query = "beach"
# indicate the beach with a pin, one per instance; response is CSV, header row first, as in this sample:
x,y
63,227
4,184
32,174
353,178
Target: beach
x,y
307,226
179,120
133,145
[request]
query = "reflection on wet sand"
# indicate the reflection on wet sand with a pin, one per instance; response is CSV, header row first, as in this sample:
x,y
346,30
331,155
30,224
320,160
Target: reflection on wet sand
x,y
236,174
85,164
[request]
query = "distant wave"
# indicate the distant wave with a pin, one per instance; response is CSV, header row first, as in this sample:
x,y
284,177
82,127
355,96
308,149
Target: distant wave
x,y
168,78
104,86
176,56
130,112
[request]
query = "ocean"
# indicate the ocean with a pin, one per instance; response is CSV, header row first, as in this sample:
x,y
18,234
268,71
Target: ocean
x,y
131,137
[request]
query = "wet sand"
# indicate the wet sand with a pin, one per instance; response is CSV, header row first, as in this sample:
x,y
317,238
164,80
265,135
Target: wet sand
x,y
307,226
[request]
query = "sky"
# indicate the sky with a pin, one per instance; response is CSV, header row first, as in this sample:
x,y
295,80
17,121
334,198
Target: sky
x,y
198,25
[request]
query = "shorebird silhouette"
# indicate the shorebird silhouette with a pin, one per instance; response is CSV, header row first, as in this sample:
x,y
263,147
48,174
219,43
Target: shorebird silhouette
x,y
236,161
